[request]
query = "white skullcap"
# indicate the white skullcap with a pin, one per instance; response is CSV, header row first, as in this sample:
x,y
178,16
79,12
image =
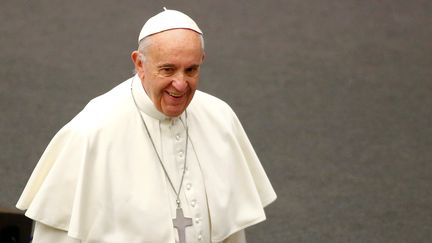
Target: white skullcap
x,y
166,20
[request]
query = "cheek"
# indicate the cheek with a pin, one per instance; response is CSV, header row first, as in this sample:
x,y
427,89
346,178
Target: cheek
x,y
159,86
154,84
193,84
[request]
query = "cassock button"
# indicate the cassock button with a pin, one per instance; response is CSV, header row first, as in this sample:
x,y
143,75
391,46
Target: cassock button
x,y
197,220
188,186
199,237
177,137
180,154
193,203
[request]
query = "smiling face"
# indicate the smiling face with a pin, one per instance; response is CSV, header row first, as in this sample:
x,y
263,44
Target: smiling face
x,y
170,70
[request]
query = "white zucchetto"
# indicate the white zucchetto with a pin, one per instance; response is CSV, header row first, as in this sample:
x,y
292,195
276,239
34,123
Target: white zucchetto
x,y
166,20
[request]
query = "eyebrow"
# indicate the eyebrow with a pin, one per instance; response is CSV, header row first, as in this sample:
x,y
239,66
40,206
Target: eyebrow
x,y
173,66
194,66
166,65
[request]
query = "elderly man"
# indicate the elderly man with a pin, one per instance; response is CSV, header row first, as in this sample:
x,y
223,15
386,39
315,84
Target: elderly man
x,y
152,160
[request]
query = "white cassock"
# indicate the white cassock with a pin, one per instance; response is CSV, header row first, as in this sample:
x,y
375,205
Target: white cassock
x,y
100,181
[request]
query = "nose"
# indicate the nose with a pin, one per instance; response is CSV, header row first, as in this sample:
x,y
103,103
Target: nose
x,y
180,83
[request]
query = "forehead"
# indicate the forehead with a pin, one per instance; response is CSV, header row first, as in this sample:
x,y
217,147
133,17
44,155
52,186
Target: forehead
x,y
175,44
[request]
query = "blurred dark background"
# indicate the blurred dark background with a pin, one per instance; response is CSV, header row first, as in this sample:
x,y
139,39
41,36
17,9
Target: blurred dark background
x,y
335,96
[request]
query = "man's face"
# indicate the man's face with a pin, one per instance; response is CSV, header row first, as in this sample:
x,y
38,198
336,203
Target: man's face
x,y
170,71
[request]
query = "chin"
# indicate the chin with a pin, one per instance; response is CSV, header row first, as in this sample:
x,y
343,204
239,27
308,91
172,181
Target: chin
x,y
174,110
173,113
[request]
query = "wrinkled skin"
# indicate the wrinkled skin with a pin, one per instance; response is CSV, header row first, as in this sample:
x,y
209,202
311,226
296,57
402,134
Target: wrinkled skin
x,y
170,70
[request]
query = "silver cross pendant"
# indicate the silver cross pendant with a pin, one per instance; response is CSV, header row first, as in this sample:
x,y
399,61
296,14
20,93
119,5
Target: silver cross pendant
x,y
180,223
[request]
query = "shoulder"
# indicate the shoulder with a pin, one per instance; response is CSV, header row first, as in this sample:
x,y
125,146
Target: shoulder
x,y
111,99
105,110
210,110
207,102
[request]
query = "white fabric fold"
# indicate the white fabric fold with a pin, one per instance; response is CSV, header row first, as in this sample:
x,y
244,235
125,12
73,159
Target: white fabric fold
x,y
97,178
143,101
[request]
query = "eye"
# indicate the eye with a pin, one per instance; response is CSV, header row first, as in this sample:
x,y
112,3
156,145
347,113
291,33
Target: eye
x,y
192,71
166,71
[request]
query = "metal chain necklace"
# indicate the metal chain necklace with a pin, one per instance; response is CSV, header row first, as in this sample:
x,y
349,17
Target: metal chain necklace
x,y
180,222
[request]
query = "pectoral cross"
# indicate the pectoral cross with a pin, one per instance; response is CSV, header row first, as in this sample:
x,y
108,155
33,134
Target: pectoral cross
x,y
180,223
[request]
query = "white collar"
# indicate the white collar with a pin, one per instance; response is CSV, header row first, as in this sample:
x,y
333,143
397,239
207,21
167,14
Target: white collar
x,y
143,101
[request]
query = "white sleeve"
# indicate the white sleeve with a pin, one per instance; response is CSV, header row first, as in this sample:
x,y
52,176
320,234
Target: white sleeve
x,y
46,234
238,237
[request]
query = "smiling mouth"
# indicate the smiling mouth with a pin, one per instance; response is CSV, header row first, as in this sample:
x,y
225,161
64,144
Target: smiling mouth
x,y
175,95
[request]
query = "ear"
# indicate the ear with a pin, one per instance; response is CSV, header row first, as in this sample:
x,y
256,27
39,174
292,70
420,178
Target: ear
x,y
138,63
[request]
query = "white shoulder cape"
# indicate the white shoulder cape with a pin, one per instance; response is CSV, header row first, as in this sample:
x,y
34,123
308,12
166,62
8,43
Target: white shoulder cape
x,y
98,179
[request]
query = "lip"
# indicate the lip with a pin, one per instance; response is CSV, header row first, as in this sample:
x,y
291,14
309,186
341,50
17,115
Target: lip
x,y
175,94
